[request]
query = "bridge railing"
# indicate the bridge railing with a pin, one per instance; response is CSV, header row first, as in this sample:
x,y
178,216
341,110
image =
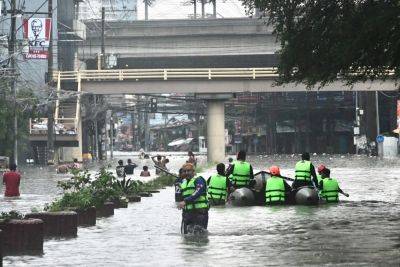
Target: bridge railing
x,y
167,74
62,126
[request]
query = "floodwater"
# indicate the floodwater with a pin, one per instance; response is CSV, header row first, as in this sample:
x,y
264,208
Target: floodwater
x,y
363,230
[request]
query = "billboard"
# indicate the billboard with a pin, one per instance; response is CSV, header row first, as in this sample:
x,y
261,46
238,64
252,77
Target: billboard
x,y
37,31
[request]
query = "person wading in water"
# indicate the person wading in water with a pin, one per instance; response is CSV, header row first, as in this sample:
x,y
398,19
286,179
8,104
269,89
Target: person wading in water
x,y
195,204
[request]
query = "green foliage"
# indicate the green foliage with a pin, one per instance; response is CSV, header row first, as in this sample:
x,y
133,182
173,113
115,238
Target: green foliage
x,y
81,199
12,215
321,40
82,192
24,109
127,187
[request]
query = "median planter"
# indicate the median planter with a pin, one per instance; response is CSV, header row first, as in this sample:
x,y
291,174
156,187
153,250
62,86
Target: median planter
x,y
22,236
133,198
57,224
145,194
106,210
120,203
86,217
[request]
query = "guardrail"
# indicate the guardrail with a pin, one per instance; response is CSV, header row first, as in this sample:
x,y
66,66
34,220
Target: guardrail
x,y
62,126
166,74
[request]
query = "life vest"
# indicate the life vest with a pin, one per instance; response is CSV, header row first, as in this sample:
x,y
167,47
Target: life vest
x,y
188,188
330,190
303,171
274,190
217,187
241,174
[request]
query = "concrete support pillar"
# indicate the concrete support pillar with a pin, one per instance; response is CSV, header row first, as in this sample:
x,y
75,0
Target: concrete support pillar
x,y
215,130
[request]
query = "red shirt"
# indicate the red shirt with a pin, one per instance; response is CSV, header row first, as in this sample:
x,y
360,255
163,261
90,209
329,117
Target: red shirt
x,y
11,180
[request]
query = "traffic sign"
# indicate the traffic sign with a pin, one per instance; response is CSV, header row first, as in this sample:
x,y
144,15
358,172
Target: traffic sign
x,y
380,138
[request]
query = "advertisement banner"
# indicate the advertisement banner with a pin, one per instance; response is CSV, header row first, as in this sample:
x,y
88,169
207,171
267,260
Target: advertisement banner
x,y
37,31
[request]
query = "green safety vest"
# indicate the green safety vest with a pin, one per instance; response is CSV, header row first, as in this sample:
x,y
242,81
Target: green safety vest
x,y
241,174
330,190
303,170
188,188
319,177
274,190
217,187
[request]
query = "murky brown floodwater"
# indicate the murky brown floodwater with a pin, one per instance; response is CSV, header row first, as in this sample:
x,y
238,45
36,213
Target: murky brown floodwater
x,y
362,230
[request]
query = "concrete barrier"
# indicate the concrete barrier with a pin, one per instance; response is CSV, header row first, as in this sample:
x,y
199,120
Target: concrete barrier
x,y
22,236
58,224
106,210
86,217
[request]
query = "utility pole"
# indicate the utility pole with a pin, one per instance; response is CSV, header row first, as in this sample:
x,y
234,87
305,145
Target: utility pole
x,y
96,130
50,117
11,51
378,127
214,8
146,9
203,11
103,48
112,136
146,126
195,9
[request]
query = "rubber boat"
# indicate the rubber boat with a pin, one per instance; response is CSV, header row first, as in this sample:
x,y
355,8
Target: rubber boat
x,y
247,197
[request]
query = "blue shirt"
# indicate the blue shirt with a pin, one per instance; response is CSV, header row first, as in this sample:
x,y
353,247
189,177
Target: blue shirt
x,y
200,189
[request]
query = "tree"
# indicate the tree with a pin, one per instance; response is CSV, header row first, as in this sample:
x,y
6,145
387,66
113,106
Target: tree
x,y
26,103
320,40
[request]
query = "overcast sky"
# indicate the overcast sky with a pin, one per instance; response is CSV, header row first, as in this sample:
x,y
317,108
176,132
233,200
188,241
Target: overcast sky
x,y
174,9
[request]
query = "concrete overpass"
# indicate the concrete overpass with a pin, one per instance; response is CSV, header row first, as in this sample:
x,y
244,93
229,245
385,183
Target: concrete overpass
x,y
213,85
208,43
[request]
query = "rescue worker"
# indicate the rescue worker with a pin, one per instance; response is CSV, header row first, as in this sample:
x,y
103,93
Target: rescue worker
x,y
320,169
218,186
120,169
195,204
241,172
276,188
329,188
304,173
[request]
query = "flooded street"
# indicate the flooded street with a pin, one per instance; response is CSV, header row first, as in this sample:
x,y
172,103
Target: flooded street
x,y
363,229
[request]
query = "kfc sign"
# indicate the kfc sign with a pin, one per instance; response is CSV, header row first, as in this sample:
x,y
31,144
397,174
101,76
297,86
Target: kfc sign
x,y
37,31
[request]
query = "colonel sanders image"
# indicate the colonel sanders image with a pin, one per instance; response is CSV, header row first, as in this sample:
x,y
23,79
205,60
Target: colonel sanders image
x,y
36,27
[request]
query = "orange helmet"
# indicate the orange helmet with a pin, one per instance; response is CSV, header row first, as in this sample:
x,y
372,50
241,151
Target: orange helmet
x,y
274,170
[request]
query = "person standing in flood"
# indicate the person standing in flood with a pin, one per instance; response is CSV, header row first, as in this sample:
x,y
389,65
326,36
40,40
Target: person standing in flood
x,y
11,180
195,204
120,169
305,173
161,162
130,168
192,159
241,172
